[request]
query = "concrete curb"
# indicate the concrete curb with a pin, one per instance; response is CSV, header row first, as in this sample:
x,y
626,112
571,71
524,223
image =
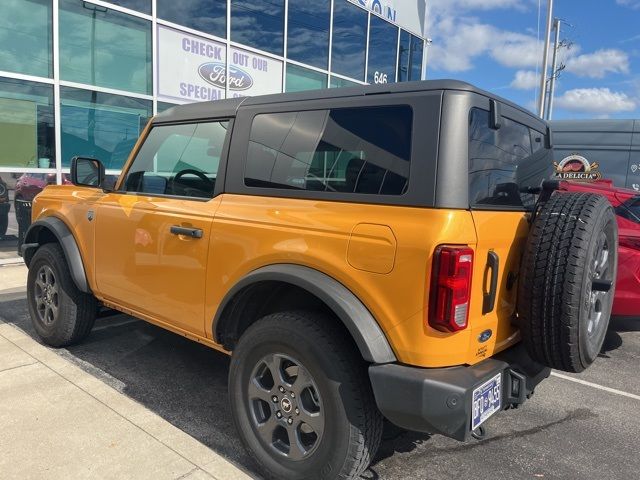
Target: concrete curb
x,y
206,463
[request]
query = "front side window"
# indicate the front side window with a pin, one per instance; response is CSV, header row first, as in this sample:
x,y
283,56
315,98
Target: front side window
x,y
504,161
179,160
350,150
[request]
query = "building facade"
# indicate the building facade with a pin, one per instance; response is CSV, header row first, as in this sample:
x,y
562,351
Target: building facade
x,y
82,77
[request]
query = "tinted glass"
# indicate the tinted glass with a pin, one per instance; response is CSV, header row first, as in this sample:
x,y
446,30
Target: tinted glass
x,y
383,47
26,37
299,79
143,6
630,210
349,40
178,160
332,150
100,125
258,24
208,16
103,47
337,82
162,106
502,161
26,124
308,31
410,64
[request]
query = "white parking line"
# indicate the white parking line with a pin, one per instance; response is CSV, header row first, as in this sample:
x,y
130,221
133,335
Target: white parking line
x,y
595,385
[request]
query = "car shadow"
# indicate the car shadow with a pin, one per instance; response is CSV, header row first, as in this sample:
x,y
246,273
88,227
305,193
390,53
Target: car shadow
x,y
613,340
182,381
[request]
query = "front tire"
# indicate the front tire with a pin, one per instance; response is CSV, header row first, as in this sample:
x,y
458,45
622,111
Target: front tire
x,y
301,399
61,314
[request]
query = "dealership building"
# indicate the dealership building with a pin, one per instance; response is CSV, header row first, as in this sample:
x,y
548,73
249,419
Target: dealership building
x,y
81,77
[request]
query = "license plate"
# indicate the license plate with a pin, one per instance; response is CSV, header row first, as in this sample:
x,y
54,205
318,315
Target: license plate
x,y
487,400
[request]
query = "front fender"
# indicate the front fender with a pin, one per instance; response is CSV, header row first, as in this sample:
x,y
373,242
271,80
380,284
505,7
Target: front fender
x,y
50,229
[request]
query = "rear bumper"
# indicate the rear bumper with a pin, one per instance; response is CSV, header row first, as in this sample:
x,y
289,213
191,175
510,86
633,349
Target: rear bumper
x,y
439,400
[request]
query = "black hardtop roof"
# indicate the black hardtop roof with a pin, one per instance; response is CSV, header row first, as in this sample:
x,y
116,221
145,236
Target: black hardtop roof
x,y
229,107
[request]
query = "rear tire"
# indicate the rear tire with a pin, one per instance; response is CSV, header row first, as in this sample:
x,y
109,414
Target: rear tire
x,y
570,253
61,314
338,429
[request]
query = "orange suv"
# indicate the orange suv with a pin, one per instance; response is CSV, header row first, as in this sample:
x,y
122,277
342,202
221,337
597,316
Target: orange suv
x,y
393,251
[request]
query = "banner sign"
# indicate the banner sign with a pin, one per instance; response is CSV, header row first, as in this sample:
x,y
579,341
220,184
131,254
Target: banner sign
x,y
408,14
193,69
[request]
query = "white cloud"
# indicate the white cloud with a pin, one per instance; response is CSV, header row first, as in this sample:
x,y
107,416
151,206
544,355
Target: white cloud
x,y
635,4
598,101
525,80
599,63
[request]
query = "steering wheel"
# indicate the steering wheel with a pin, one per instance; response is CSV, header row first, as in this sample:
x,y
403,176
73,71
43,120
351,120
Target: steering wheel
x,y
189,191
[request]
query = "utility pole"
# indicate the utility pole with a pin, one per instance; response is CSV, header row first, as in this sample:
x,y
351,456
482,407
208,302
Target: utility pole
x,y
545,60
554,68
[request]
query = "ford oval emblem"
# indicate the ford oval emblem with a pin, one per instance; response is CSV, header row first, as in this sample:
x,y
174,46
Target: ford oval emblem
x,y
484,336
215,74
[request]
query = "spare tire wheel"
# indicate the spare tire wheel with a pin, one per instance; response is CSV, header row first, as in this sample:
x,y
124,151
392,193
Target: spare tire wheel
x,y
567,280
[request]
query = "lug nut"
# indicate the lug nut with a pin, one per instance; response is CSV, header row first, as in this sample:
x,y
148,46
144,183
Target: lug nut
x,y
290,421
278,414
297,411
281,389
293,395
275,399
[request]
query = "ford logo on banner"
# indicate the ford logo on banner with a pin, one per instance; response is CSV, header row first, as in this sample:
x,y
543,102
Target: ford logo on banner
x,y
215,74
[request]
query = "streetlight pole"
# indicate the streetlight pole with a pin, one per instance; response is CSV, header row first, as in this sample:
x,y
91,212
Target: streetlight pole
x,y
545,60
554,67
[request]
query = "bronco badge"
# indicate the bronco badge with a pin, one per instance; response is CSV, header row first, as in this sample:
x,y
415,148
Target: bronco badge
x,y
576,167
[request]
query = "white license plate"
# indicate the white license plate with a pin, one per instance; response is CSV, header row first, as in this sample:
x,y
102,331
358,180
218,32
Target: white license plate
x,y
487,400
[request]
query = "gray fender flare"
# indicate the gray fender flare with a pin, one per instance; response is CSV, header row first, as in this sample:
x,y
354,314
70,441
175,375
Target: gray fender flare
x,y
66,240
364,329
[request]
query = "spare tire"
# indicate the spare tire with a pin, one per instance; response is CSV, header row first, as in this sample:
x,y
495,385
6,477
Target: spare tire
x,y
567,280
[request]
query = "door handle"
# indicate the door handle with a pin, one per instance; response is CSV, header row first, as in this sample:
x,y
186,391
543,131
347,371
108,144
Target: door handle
x,y
186,231
489,298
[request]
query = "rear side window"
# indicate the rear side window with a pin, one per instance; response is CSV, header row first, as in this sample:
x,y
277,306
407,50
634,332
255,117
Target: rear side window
x,y
502,162
350,150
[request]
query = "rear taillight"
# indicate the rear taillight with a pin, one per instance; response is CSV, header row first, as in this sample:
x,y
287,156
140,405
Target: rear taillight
x,y
450,288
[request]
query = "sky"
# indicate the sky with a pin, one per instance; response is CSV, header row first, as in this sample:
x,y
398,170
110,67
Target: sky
x,y
494,45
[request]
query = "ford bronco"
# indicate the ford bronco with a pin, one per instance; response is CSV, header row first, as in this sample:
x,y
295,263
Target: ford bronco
x,y
393,251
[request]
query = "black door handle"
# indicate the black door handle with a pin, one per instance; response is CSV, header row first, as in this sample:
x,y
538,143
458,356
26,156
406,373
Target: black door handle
x,y
489,298
186,231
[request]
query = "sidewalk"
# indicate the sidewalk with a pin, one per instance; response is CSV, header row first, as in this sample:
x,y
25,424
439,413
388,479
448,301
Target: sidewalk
x,y
58,421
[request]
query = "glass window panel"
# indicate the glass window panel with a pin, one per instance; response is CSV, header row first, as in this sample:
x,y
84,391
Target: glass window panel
x,y
383,48
100,125
179,160
258,24
308,32
299,79
349,39
410,65
162,106
26,124
337,82
26,37
103,47
209,16
502,162
337,150
143,6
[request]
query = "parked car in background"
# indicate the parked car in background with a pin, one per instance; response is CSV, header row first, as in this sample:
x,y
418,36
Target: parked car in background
x,y
4,207
613,144
28,186
626,203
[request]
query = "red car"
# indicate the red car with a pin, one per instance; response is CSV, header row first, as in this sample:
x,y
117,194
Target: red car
x,y
626,203
31,184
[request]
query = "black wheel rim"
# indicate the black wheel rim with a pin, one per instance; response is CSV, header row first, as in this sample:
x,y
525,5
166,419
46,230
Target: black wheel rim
x,y
46,295
601,293
285,407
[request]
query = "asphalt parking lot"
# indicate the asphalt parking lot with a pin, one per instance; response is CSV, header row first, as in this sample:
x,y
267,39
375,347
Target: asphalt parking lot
x,y
568,430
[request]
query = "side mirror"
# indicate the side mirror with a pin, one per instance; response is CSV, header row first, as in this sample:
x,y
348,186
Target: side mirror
x,y
87,172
